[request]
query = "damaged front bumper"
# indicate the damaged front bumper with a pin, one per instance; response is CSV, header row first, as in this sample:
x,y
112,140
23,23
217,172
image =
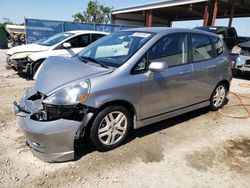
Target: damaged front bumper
x,y
22,65
52,140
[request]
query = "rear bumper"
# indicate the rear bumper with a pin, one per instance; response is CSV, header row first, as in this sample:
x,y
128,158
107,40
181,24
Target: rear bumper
x,y
50,141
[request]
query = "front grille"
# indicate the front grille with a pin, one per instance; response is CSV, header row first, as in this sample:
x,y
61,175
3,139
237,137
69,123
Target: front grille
x,y
245,51
73,112
60,110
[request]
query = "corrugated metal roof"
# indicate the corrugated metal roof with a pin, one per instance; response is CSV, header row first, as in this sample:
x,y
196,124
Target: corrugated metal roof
x,y
156,5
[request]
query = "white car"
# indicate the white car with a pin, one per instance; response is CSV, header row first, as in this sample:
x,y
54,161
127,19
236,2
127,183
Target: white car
x,y
27,58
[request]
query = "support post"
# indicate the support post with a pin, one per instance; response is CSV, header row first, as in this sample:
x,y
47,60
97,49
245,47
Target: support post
x,y
215,10
149,18
146,18
206,14
113,19
231,14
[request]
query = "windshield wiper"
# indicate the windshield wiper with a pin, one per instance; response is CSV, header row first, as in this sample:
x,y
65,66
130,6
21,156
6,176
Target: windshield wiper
x,y
93,60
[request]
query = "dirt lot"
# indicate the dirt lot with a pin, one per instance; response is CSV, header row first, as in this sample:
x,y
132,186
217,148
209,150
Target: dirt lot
x,y
198,149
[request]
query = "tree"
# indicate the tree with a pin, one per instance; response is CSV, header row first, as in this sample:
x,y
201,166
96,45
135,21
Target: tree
x,y
95,13
6,21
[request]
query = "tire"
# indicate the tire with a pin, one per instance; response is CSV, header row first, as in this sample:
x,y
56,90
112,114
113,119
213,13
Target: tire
x,y
36,66
218,97
105,133
236,72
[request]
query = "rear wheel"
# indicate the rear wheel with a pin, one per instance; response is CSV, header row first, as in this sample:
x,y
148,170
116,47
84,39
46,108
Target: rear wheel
x,y
218,97
110,127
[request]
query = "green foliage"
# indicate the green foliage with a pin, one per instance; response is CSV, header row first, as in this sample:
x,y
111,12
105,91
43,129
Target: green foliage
x,y
95,13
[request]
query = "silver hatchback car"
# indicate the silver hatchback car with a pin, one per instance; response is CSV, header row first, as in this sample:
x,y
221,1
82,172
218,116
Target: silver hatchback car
x,y
126,80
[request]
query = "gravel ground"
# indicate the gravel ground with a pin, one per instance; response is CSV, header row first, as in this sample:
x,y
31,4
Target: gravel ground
x,y
197,149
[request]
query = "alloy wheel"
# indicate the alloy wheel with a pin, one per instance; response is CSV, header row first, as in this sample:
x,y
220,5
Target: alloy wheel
x,y
219,96
112,128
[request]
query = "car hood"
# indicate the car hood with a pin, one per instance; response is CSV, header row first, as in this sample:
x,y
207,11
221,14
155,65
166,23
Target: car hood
x,y
57,72
27,48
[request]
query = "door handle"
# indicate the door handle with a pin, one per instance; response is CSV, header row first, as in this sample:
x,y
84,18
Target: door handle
x,y
212,66
185,72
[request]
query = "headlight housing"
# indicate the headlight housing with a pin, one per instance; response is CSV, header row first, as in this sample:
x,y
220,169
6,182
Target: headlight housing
x,y
72,94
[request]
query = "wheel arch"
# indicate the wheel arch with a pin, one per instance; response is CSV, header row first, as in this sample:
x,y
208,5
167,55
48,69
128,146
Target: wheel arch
x,y
35,63
226,82
123,103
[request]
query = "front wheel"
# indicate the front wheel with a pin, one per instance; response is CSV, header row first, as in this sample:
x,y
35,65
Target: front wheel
x,y
110,127
218,98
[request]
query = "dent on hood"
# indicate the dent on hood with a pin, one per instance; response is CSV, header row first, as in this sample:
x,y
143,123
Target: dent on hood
x,y
57,72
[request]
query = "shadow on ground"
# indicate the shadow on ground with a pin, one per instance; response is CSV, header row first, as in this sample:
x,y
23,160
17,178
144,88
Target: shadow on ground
x,y
85,147
244,76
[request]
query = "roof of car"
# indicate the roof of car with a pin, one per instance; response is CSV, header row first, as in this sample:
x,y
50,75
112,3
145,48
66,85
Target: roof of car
x,y
86,31
169,30
224,27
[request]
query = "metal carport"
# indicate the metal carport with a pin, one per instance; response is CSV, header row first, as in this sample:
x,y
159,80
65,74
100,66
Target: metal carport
x,y
165,12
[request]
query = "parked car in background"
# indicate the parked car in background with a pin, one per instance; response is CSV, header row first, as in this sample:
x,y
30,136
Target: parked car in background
x,y
27,58
229,35
241,60
128,79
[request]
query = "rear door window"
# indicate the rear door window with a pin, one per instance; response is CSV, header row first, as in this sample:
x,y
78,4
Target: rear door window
x,y
96,37
80,41
201,47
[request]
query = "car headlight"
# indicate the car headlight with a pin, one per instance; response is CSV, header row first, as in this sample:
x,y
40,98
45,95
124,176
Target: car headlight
x,y
70,95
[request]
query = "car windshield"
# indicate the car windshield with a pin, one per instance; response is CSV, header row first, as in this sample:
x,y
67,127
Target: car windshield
x,y
115,49
55,39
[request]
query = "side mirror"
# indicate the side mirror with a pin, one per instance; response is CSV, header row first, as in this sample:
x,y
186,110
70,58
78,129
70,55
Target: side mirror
x,y
156,66
66,45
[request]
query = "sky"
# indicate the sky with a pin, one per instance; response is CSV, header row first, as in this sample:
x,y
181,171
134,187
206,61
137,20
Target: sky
x,y
16,10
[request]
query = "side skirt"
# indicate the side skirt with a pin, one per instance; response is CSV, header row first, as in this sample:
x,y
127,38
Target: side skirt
x,y
148,121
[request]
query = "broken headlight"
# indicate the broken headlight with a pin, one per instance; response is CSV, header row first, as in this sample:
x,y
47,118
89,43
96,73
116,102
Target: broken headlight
x,y
70,95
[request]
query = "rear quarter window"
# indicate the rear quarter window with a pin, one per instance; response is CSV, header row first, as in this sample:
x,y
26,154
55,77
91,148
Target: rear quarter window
x,y
201,47
218,45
